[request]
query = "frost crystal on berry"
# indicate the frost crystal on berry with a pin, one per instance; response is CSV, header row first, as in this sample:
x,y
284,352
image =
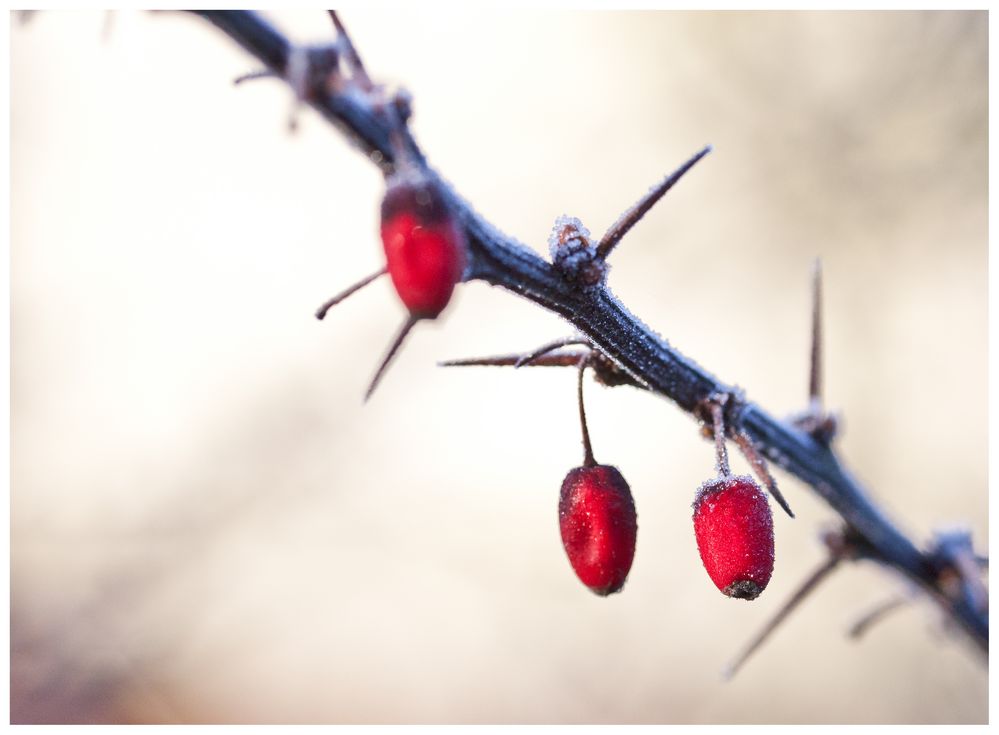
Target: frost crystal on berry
x,y
734,527
599,525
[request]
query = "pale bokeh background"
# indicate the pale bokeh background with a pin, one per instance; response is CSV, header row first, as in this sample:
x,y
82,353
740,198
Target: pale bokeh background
x,y
208,526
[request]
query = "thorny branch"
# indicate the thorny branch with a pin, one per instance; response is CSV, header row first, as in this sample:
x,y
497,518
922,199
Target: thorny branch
x,y
941,571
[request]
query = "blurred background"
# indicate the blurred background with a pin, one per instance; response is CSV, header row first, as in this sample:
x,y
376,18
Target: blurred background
x,y
208,526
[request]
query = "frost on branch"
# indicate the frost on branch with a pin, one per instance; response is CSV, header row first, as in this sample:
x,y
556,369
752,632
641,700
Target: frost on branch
x,y
803,447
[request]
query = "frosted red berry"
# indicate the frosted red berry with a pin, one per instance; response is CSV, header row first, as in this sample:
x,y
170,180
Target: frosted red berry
x,y
425,249
599,525
735,535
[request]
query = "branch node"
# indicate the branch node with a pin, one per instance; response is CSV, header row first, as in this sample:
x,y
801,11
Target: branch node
x,y
574,255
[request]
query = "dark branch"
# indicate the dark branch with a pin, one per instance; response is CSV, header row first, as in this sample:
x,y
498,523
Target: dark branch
x,y
502,261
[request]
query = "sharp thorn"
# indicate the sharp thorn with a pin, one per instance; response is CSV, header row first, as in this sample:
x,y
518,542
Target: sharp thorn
x,y
396,344
257,74
799,595
330,303
550,347
632,215
870,618
563,359
815,367
759,466
355,60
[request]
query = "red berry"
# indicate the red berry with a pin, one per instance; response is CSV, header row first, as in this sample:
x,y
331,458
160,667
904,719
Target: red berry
x,y
735,535
425,248
598,523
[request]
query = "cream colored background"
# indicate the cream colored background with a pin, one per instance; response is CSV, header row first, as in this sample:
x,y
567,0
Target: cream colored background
x,y
207,525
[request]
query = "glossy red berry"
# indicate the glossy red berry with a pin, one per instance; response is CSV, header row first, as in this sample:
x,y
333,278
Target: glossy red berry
x,y
598,523
735,535
425,249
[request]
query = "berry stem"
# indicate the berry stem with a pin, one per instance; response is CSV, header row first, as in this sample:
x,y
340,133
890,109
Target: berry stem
x,y
631,216
721,452
321,311
588,460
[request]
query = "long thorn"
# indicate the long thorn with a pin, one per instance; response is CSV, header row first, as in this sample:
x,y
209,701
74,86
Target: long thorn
x,y
867,621
760,468
815,371
631,216
567,359
809,584
352,55
409,323
258,74
550,347
321,311
721,451
588,460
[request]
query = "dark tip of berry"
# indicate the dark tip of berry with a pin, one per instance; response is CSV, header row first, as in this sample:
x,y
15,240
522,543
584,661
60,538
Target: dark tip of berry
x,y
607,591
744,589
